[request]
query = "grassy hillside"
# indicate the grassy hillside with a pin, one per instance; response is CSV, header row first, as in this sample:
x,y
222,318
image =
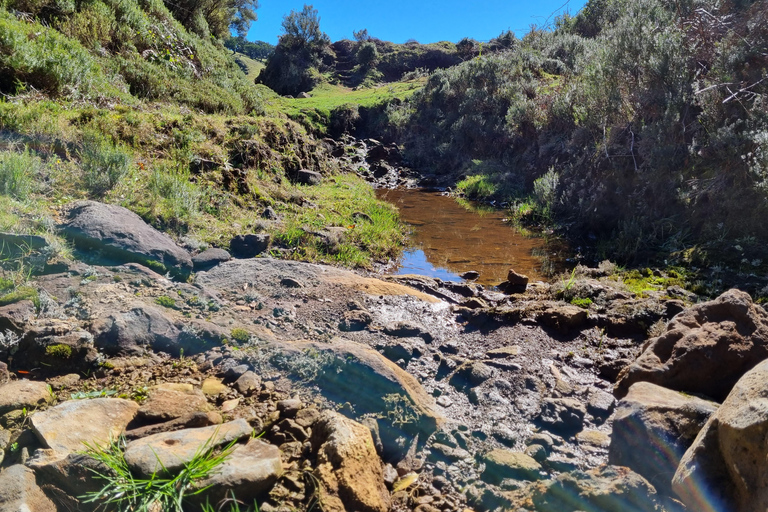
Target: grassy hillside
x,y
117,101
638,126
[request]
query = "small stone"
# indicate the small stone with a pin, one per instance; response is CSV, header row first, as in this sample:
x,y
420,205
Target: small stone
x,y
536,452
214,387
444,401
168,401
503,352
470,275
600,404
289,408
289,282
501,464
230,405
248,383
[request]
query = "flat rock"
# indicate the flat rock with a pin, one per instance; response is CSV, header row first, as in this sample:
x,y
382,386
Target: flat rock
x,y
652,429
725,338
501,464
306,177
19,491
249,472
348,466
603,489
66,427
20,394
210,258
214,387
123,235
725,467
171,450
169,401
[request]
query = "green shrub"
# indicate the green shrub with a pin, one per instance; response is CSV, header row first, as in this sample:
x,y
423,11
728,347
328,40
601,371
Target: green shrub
x,y
173,197
104,164
240,335
478,186
18,172
166,302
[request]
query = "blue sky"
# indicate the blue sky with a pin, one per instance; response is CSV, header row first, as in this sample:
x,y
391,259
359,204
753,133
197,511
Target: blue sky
x,y
427,22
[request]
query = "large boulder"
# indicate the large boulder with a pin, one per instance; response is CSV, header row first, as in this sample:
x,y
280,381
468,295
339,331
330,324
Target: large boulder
x,y
122,235
725,337
726,467
652,429
348,467
142,326
69,426
351,372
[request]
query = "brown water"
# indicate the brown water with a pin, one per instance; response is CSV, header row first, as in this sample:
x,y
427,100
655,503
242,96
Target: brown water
x,y
449,239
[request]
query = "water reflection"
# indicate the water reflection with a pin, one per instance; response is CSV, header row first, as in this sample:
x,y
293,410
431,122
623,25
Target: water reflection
x,y
449,240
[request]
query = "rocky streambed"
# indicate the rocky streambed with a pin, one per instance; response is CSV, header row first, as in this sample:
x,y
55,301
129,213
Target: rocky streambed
x,y
313,387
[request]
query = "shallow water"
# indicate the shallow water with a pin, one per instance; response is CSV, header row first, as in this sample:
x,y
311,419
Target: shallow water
x,y
449,239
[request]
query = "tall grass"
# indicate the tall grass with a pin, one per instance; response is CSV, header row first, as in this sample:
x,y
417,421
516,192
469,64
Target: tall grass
x,y
104,164
18,172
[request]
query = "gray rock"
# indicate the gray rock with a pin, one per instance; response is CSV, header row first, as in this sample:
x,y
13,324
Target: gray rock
x,y
171,450
210,258
19,491
600,404
562,414
269,213
66,427
129,332
725,467
121,234
248,383
652,429
19,394
249,472
306,177
248,246
536,452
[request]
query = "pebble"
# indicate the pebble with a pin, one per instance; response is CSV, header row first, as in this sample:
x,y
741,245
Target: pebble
x,y
444,401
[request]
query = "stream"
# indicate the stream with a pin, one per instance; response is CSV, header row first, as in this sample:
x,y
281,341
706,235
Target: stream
x,y
448,239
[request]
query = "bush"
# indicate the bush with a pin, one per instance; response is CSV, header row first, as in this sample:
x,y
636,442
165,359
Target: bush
x,y
104,164
18,172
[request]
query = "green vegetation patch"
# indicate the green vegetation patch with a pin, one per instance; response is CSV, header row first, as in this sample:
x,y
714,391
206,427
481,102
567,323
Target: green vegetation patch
x,y
59,351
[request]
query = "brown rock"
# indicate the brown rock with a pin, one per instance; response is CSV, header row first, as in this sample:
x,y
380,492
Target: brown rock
x,y
66,427
725,468
348,466
20,394
502,463
193,420
652,429
725,337
169,401
171,450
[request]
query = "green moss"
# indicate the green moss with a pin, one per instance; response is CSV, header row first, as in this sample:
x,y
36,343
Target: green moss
x,y
19,294
582,303
59,351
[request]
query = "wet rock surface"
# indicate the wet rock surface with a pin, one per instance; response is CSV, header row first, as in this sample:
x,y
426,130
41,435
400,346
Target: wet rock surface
x,y
436,406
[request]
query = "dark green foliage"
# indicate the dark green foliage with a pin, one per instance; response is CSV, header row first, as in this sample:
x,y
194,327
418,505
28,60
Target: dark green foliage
x,y
293,67
136,43
651,121
256,50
